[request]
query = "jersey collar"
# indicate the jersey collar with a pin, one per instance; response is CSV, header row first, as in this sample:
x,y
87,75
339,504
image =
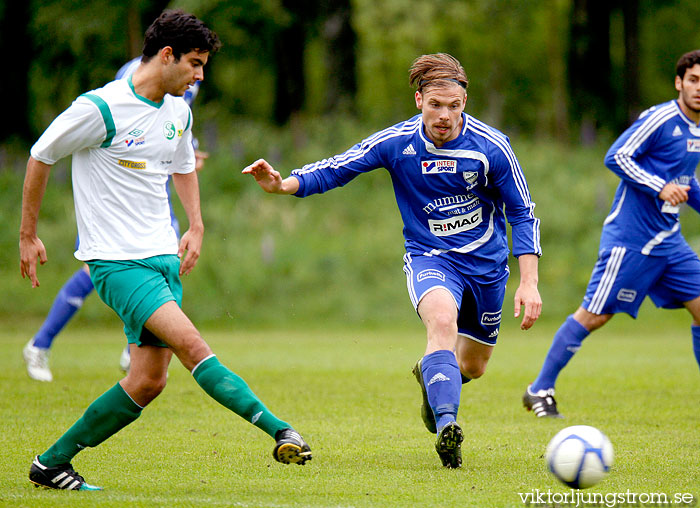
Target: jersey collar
x,y
142,98
428,142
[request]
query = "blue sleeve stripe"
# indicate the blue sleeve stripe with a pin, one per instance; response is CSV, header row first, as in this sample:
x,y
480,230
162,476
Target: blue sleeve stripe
x,y
360,150
106,117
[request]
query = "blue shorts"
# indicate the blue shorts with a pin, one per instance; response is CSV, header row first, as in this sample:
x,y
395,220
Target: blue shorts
x,y
479,298
622,278
134,289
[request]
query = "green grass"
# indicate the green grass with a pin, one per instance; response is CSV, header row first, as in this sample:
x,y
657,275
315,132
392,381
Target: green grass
x,y
352,395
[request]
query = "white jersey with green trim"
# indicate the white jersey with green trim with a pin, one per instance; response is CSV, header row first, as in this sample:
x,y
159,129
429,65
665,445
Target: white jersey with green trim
x,y
124,148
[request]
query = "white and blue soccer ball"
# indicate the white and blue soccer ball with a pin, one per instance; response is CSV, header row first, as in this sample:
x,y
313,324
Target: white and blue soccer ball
x,y
579,456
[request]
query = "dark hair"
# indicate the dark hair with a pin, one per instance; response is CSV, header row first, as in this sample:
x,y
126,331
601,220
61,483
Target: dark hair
x,y
439,70
686,62
181,31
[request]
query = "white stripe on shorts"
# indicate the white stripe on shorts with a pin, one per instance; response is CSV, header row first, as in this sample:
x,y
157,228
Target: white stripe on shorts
x,y
606,282
409,279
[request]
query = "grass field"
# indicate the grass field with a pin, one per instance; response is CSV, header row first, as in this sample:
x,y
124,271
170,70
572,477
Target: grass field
x,y
352,395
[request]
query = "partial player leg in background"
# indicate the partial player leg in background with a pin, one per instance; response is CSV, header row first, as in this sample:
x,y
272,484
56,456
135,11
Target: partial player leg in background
x,y
67,302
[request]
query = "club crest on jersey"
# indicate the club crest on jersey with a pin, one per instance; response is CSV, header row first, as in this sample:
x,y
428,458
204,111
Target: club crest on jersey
x,y
470,177
439,166
694,145
169,130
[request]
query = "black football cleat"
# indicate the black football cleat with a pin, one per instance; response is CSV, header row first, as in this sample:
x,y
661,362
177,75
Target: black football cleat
x,y
426,411
541,403
291,448
449,445
61,477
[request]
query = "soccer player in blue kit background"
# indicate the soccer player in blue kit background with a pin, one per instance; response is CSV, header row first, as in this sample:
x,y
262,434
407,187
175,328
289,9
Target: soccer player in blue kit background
x,y
642,251
452,175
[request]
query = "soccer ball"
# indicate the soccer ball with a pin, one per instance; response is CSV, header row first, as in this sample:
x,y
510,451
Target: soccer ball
x,y
579,456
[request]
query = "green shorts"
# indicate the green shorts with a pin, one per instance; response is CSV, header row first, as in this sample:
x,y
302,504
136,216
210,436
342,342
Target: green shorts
x,y
134,289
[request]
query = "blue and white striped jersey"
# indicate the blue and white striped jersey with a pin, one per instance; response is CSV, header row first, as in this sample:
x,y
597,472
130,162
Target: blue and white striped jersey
x,y
451,198
661,146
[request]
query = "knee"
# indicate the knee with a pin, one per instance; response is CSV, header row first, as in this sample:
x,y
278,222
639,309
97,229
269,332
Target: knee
x,y
148,388
472,369
443,323
597,321
589,320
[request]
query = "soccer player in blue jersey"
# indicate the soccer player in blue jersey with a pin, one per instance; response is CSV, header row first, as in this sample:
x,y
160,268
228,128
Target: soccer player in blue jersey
x,y
71,296
642,251
453,177
126,139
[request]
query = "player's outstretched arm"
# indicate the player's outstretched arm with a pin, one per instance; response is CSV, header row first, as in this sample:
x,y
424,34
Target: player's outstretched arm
x,y
30,246
527,295
270,180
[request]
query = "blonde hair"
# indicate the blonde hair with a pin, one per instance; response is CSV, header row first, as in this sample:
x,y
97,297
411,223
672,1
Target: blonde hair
x,y
437,70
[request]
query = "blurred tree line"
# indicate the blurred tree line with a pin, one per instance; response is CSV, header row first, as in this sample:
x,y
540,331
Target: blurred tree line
x,y
565,69
298,80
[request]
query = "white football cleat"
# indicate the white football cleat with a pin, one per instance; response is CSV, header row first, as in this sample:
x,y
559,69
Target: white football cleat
x,y
37,360
125,360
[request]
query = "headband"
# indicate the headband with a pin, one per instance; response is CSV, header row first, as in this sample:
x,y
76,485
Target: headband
x,y
424,82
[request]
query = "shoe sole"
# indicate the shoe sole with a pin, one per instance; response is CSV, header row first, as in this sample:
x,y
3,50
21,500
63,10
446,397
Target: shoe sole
x,y
449,446
426,412
37,485
290,453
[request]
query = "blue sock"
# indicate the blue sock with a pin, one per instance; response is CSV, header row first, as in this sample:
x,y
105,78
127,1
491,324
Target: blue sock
x,y
68,300
443,383
565,344
696,342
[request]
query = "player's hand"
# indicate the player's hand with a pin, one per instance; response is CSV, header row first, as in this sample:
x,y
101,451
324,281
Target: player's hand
x,y
528,296
266,176
199,158
29,250
190,247
674,194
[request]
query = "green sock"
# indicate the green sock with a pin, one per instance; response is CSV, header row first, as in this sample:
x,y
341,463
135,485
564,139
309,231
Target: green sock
x,y
107,415
232,391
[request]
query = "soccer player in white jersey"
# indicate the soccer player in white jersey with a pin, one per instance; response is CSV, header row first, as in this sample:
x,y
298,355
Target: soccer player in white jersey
x,y
126,138
642,251
453,176
78,287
